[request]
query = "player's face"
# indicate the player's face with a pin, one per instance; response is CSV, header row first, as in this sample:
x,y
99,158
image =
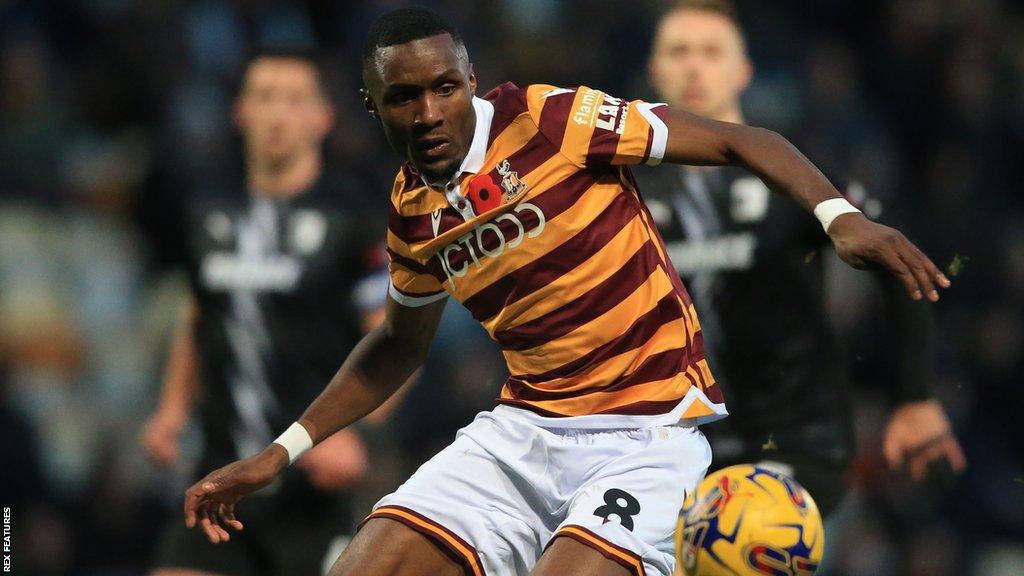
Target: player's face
x,y
282,111
698,62
422,91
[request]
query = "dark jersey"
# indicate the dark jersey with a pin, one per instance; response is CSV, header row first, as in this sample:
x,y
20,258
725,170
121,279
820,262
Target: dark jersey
x,y
753,264
275,284
753,261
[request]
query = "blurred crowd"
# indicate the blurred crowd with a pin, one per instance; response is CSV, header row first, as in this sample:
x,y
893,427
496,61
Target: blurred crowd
x,y
109,108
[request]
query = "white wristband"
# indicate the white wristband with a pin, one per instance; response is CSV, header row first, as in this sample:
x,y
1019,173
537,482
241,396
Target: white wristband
x,y
295,440
828,210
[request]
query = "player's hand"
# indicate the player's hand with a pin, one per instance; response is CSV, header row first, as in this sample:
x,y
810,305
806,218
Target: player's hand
x,y
210,503
338,461
161,436
863,244
919,433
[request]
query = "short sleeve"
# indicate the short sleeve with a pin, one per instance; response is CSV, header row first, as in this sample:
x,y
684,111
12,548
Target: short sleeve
x,y
412,284
411,281
592,128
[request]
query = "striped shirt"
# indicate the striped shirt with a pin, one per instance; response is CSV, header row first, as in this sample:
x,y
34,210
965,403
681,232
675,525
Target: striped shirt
x,y
542,235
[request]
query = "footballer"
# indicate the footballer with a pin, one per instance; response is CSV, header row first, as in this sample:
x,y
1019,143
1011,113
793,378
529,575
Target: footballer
x,y
522,206
274,260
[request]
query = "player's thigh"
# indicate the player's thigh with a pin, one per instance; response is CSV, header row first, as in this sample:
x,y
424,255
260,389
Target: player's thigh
x,y
627,513
385,547
473,500
567,556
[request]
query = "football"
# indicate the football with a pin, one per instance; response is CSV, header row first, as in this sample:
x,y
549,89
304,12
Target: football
x,y
749,519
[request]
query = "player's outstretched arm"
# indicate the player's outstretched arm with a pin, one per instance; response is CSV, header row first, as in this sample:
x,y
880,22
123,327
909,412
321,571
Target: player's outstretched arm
x,y
381,362
860,242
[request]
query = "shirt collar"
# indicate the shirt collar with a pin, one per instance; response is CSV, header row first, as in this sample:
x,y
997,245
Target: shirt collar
x,y
474,159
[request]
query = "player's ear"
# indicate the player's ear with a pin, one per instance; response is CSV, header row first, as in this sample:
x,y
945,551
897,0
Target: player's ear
x,y
327,120
472,80
371,108
746,73
239,114
650,73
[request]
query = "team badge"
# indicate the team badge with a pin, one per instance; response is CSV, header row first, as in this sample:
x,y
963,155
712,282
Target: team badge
x,y
218,225
510,181
309,227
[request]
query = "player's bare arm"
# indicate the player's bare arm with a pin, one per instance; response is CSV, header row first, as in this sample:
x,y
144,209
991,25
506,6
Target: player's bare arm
x,y
161,434
860,242
383,360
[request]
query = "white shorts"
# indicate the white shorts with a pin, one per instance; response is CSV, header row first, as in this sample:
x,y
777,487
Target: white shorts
x,y
496,497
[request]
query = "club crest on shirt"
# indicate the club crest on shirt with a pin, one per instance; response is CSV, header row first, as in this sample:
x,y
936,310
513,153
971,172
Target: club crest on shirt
x,y
308,228
218,226
510,181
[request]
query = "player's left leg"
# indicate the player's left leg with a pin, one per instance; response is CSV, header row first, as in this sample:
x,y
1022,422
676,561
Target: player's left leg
x,y
567,556
622,515
388,547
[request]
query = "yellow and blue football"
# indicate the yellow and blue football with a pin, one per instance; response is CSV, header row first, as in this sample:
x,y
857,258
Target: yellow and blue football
x,y
749,520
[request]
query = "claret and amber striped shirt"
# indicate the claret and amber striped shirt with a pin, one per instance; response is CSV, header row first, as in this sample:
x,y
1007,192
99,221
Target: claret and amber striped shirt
x,y
543,237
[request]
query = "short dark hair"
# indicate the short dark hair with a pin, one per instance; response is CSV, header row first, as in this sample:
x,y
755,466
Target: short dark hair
x,y
405,25
305,55
723,7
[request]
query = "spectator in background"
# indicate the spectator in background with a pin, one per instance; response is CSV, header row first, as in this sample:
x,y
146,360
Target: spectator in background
x,y
275,267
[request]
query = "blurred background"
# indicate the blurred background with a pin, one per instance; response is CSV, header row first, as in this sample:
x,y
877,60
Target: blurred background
x,y
110,108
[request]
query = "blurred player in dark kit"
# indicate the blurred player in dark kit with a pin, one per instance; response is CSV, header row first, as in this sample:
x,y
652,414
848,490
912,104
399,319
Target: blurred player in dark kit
x,y
274,267
744,252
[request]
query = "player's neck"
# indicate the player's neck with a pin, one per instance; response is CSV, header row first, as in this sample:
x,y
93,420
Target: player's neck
x,y
285,181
